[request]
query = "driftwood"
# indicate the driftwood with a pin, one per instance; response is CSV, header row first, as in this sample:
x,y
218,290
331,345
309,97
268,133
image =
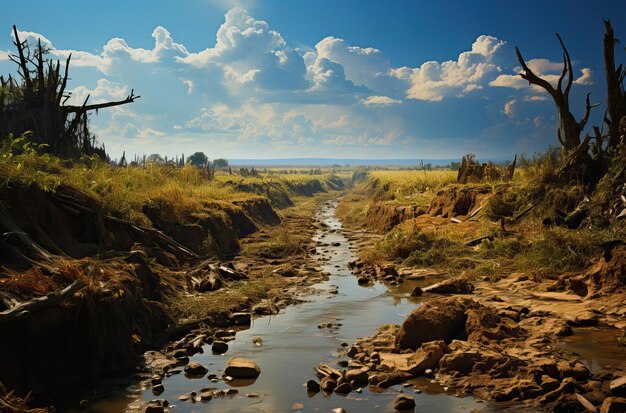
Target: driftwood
x,y
324,370
473,214
40,303
503,222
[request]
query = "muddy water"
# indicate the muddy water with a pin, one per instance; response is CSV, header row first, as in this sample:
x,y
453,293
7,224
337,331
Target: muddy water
x,y
293,344
596,347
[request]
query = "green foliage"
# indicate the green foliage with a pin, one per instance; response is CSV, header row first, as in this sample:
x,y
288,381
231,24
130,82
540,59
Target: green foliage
x,y
220,163
198,159
20,161
417,248
504,203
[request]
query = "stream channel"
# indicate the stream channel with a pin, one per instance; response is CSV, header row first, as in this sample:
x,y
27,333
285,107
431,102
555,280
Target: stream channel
x,y
293,344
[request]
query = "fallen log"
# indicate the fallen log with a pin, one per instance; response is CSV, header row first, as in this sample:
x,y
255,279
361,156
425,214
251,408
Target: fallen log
x,y
40,303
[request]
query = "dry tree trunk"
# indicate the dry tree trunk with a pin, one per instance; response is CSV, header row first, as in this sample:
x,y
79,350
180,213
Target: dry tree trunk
x,y
569,129
37,104
616,99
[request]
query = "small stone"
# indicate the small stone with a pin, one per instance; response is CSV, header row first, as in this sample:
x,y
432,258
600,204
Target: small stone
x,y
157,389
417,291
404,403
206,396
253,395
352,351
241,319
153,408
241,368
297,406
219,347
312,386
328,385
343,388
195,369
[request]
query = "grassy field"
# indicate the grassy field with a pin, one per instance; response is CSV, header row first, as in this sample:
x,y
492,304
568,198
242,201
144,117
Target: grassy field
x,y
529,246
179,191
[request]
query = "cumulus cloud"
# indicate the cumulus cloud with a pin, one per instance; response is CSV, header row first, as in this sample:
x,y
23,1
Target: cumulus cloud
x,y
433,81
586,78
544,68
249,52
103,92
380,101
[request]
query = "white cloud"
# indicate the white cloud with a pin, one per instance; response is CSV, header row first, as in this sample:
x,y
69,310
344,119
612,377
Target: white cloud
x,y
189,84
103,92
380,101
249,52
4,55
544,68
433,81
538,121
509,108
586,79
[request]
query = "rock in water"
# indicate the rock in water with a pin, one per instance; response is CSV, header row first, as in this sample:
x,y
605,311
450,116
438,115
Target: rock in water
x,y
404,403
312,386
241,368
195,369
219,347
442,319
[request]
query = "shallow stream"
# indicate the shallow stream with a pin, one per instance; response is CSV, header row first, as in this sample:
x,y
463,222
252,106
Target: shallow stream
x,y
292,344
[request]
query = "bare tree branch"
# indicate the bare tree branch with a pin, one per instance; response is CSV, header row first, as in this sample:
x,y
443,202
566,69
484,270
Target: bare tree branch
x,y
74,109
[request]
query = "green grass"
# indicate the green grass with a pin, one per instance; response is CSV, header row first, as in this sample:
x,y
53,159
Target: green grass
x,y
179,192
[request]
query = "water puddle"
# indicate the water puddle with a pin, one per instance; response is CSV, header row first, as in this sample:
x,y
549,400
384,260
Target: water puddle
x,y
597,347
299,338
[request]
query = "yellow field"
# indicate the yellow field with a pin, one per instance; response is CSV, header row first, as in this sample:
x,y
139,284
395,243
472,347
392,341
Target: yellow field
x,y
181,191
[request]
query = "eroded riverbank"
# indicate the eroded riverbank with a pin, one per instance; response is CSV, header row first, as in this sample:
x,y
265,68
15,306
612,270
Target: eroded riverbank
x,y
288,345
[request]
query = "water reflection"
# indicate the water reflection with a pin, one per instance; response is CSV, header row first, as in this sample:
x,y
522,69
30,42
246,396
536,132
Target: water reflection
x,y
293,344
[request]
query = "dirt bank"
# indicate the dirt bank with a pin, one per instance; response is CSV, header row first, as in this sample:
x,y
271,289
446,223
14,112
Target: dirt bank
x,y
496,338
84,293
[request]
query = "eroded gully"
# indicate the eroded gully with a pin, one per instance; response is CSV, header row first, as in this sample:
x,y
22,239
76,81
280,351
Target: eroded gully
x,y
300,337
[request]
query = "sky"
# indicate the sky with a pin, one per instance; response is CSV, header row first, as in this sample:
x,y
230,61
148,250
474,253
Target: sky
x,y
252,79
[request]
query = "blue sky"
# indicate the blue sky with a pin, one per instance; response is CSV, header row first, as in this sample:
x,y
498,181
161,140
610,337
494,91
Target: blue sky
x,y
340,79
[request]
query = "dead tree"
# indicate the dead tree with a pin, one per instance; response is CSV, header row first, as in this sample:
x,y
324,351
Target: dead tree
x,y
569,128
37,104
616,97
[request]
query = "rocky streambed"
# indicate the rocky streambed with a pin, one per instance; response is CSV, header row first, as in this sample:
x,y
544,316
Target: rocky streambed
x,y
274,359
